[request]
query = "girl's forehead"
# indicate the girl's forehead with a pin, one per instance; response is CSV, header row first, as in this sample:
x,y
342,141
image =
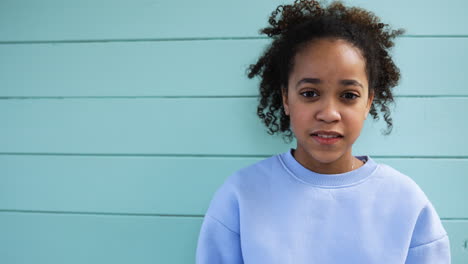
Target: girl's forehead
x,y
329,48
328,57
332,61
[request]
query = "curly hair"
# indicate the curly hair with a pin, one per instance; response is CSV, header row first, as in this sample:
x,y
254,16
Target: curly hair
x,y
293,26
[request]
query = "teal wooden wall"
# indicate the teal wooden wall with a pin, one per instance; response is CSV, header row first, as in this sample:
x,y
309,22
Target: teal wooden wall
x,y
121,118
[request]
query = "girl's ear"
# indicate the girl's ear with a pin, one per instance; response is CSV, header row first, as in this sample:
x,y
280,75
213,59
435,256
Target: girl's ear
x,y
369,103
285,101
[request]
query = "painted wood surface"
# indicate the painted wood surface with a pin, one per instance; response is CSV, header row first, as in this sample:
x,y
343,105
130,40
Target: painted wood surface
x,y
209,126
198,68
159,19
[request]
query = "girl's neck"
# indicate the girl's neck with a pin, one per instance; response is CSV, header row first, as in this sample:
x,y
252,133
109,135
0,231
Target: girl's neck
x,y
344,164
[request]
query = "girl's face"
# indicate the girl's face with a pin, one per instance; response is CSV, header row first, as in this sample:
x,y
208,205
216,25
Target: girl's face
x,y
327,101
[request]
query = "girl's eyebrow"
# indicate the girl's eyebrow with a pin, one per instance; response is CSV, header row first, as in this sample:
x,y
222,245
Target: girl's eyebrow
x,y
318,81
309,80
351,82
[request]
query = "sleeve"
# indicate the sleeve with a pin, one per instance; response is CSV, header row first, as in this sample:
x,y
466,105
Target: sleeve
x,y
218,244
429,243
219,239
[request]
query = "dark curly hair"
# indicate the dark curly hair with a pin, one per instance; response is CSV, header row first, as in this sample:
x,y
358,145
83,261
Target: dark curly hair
x,y
293,26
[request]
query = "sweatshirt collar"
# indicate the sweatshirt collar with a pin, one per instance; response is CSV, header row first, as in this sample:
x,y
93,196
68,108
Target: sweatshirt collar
x,y
327,180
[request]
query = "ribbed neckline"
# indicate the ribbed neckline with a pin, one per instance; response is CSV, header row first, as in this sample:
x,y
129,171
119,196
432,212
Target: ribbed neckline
x,y
327,180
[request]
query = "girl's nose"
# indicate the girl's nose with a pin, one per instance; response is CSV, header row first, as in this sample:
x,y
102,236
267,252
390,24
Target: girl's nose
x,y
328,112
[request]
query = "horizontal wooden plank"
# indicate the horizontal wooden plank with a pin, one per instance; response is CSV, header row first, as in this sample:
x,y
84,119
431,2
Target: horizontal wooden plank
x,y
180,68
30,20
209,126
429,66
53,238
44,238
458,236
148,185
175,185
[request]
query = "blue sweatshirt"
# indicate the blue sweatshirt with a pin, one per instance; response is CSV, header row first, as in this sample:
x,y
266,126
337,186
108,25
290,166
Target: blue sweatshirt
x,y
277,211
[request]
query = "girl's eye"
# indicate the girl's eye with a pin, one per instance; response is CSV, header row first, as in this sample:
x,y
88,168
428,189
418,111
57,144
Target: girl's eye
x,y
350,96
309,94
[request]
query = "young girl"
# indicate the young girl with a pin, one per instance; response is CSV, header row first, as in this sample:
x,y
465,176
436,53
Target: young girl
x,y
325,71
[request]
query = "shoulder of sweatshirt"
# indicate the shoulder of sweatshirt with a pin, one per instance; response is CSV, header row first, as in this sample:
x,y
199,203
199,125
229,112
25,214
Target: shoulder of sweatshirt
x,y
393,182
224,205
256,173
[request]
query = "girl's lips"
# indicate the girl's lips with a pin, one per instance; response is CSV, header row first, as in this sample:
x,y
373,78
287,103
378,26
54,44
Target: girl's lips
x,y
326,141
